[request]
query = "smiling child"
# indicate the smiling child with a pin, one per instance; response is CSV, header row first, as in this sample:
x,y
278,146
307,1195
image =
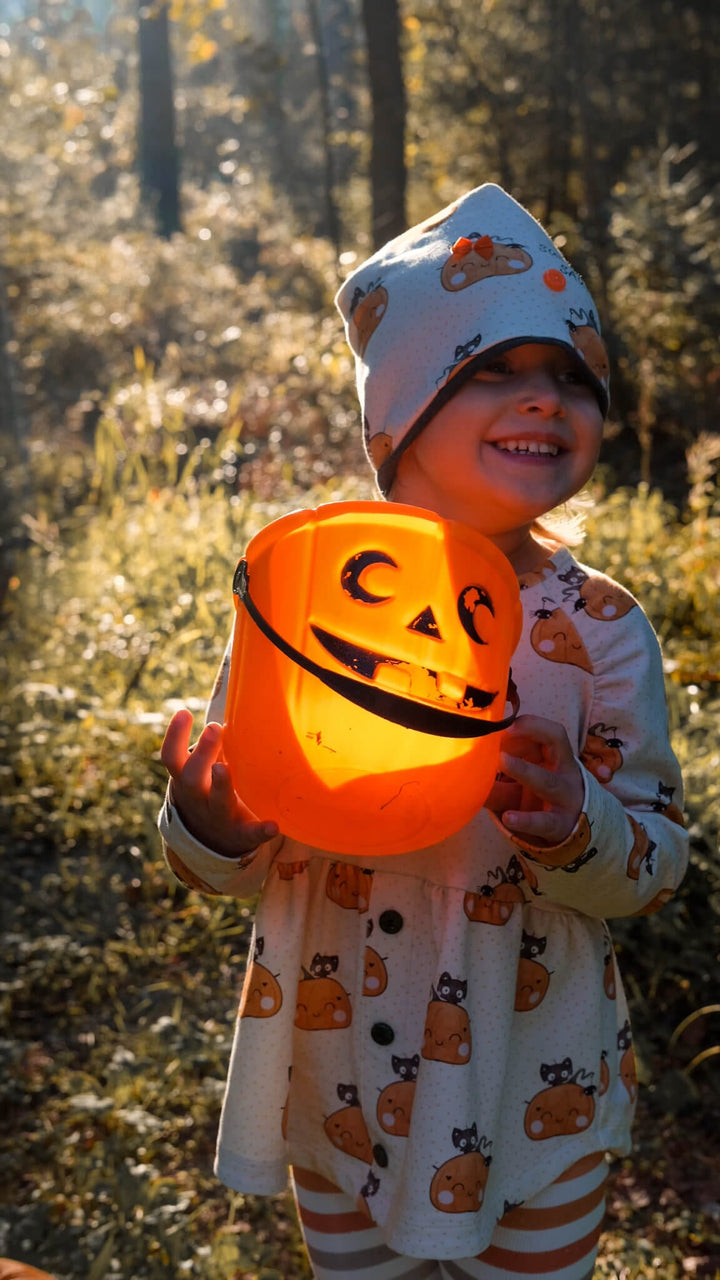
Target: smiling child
x,y
437,1043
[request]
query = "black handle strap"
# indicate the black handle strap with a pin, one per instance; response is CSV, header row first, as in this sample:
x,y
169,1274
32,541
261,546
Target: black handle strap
x,y
389,706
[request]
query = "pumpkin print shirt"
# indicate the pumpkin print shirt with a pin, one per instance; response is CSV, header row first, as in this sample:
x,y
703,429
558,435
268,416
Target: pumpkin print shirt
x,y
443,1033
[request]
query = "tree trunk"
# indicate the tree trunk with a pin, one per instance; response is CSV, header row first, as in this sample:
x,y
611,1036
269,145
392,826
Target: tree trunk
x,y
15,490
587,126
13,426
332,221
158,154
381,20
559,127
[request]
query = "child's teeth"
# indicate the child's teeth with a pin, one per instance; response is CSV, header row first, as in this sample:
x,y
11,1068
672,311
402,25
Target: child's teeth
x,y
529,446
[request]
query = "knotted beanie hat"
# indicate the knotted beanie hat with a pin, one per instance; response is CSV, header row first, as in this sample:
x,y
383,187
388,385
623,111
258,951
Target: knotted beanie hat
x,y
422,314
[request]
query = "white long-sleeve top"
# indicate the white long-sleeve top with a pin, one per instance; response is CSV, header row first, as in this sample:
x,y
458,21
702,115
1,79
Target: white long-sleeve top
x,y
443,1033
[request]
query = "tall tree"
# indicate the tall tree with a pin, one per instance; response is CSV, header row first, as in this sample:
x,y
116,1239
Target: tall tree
x,y
158,153
13,426
381,19
332,220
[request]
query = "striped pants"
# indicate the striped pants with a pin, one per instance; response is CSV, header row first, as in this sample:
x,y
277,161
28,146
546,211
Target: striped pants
x,y
553,1236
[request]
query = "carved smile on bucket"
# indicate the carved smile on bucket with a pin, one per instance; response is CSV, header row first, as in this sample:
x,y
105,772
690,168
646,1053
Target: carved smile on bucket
x,y
436,688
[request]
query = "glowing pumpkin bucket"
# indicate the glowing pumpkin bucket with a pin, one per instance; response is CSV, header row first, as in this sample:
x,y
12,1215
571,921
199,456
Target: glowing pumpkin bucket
x,y
369,675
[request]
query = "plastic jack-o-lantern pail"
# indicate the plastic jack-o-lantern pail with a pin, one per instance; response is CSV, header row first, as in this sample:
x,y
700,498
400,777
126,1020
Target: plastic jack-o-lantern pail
x,y
369,675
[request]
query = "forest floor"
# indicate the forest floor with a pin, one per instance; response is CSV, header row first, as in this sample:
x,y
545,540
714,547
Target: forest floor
x,y
664,1199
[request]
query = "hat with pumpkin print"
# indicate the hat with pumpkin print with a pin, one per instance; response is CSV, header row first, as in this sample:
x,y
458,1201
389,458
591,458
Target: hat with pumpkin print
x,y
423,313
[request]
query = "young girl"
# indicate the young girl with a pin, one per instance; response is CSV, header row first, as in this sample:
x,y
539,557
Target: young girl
x,y
437,1042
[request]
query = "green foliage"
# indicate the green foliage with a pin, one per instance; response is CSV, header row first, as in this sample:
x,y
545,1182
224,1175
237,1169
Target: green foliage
x,y
235,316
265,354
113,1074
591,118
664,263
673,565
115,615
133,610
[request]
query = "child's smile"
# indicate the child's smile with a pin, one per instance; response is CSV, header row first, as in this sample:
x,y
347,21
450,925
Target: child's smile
x,y
539,450
529,448
517,439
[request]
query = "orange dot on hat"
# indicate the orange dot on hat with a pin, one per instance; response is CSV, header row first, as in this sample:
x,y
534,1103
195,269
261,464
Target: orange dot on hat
x,y
554,280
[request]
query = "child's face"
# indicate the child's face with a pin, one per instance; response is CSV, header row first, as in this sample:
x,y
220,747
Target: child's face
x,y
519,438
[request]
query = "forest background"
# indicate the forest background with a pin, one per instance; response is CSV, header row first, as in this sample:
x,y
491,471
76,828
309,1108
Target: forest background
x,y
172,377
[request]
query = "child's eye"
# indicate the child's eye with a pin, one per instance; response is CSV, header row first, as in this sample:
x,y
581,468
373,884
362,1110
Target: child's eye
x,y
572,372
575,377
499,367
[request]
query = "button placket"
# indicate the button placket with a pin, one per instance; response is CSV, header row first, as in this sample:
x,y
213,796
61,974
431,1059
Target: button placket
x,y
390,923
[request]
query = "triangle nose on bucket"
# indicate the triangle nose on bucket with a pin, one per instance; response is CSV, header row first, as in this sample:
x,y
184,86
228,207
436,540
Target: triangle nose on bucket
x,y
426,624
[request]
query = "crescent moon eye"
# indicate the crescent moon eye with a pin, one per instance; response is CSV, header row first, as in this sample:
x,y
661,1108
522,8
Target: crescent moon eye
x,y
354,568
470,600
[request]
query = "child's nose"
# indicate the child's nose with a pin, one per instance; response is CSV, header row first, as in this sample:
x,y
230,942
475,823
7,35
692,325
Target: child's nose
x,y
540,393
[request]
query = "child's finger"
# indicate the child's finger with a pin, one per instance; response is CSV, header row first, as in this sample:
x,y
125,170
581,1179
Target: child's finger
x,y
256,833
223,800
197,770
541,826
522,747
549,785
227,804
221,796
176,742
530,734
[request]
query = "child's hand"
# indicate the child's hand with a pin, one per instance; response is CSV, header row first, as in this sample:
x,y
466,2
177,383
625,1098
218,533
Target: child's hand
x,y
541,793
203,793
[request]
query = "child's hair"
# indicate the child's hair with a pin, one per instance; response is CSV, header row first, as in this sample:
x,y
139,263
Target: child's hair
x,y
424,313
